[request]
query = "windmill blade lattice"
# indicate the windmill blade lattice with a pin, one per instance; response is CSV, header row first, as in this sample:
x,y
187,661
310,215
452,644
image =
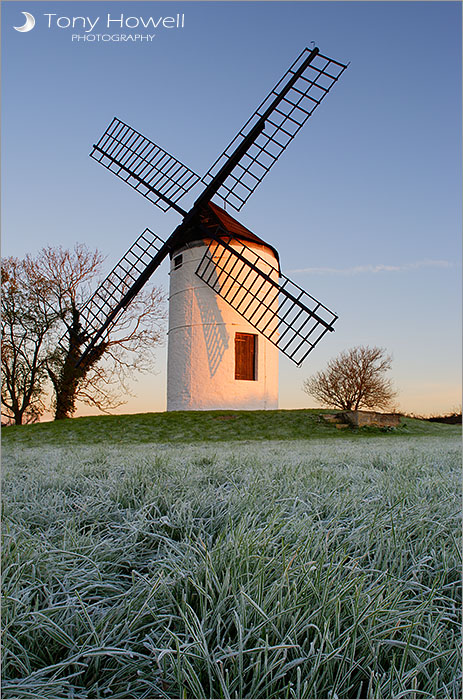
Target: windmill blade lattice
x,y
102,310
286,109
300,321
282,312
146,167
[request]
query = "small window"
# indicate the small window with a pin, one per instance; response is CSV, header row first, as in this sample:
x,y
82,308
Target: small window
x,y
245,356
178,260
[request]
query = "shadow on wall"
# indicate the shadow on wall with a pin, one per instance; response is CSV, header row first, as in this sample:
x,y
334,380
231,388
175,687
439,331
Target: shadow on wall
x,y
215,332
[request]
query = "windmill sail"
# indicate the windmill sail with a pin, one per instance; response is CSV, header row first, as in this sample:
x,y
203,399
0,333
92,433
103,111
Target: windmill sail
x,y
104,307
289,317
146,167
273,126
280,310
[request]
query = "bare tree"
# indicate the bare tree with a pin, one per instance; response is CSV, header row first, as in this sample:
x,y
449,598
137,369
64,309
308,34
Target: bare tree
x,y
101,380
66,277
27,321
354,379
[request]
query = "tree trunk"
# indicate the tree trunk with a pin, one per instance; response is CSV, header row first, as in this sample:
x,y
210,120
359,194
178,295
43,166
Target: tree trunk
x,y
67,383
67,388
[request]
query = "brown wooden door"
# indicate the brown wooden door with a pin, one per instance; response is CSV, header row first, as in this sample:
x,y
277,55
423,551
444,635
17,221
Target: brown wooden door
x,y
245,356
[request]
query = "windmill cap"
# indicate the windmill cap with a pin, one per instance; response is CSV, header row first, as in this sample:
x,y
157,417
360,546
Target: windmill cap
x,y
213,214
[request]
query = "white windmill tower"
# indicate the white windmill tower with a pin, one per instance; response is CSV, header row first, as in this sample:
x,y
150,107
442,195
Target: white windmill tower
x,y
216,358
230,307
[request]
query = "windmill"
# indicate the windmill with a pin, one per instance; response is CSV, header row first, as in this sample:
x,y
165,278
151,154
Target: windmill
x,y
231,310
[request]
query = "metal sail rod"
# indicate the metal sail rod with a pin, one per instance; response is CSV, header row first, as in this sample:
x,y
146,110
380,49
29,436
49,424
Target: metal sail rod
x,y
135,288
152,189
259,126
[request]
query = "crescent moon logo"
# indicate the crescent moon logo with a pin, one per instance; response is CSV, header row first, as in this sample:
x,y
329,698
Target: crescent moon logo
x,y
28,25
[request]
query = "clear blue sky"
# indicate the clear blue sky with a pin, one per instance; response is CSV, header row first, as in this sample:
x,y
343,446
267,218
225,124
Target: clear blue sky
x,y
364,207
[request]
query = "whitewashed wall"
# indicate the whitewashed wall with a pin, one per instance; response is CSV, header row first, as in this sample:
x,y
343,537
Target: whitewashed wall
x,y
201,345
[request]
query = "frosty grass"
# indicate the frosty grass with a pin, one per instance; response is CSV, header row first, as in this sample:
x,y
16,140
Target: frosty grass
x,y
274,570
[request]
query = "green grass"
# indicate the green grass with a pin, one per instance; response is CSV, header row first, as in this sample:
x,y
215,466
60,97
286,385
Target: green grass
x,y
278,569
204,426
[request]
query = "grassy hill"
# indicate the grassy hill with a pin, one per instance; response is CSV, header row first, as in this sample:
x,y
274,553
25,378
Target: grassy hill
x,y
205,426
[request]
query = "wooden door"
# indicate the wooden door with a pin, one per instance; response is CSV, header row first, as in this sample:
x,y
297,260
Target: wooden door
x,y
245,356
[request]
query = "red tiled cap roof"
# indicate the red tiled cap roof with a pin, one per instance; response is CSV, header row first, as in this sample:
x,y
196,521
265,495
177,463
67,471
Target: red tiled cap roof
x,y
236,229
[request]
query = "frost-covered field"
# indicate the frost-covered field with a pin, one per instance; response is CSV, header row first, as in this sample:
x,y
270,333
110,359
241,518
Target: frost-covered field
x,y
273,570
